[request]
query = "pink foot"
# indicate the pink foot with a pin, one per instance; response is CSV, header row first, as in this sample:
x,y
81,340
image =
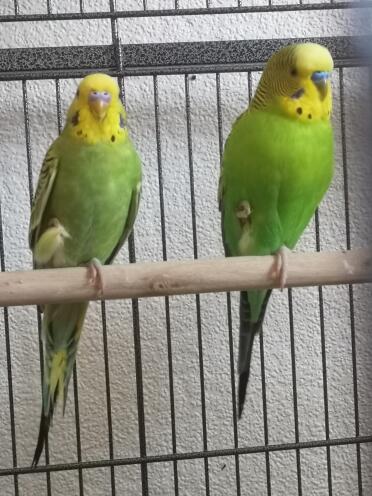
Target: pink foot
x,y
280,267
96,276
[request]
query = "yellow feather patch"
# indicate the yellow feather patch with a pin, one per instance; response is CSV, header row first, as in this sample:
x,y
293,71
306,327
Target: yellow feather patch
x,y
312,57
50,244
84,126
309,107
286,85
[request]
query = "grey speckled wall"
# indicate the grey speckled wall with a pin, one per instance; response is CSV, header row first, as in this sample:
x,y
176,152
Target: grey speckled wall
x,y
91,372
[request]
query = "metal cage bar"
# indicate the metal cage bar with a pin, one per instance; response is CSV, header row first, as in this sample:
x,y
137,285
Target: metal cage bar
x,y
9,364
162,58
177,11
197,297
74,372
195,455
166,299
31,193
228,307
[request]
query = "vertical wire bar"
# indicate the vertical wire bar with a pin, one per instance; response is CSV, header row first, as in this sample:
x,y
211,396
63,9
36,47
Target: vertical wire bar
x,y
239,3
228,302
176,4
138,358
114,34
28,141
135,307
197,296
108,394
144,4
294,388
9,364
167,309
49,6
30,190
139,378
16,7
114,24
324,362
75,377
263,376
207,3
81,6
350,287
264,411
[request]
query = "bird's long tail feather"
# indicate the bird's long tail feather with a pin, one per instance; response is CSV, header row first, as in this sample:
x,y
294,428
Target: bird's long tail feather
x,y
248,329
61,329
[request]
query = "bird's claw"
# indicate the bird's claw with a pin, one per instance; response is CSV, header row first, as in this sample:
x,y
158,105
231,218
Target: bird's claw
x,y
96,276
280,268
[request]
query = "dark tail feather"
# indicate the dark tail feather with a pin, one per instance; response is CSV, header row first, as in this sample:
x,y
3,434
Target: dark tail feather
x,y
45,423
62,325
248,330
43,436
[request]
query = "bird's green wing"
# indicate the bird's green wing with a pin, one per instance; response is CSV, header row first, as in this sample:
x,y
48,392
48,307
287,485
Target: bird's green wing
x,y
44,187
221,190
128,226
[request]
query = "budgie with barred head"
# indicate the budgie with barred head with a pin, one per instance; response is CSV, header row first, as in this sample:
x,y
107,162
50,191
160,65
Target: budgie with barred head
x,y
84,208
277,165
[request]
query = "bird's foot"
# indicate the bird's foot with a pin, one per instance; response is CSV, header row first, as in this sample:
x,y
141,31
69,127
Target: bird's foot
x,y
280,269
96,276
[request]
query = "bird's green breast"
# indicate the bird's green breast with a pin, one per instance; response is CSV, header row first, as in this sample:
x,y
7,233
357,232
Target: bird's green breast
x,y
91,196
282,167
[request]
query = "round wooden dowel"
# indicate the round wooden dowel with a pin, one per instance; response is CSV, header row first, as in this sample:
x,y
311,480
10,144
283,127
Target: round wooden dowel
x,y
183,277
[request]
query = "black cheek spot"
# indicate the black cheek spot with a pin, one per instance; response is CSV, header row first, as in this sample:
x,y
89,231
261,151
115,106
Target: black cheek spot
x,y
77,93
309,116
75,119
293,72
113,138
299,110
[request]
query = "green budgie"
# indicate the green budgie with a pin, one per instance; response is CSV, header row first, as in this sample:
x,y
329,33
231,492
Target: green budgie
x,y
85,205
277,165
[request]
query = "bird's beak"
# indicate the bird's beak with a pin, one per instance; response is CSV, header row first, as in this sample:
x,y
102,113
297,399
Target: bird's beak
x,y
98,103
320,79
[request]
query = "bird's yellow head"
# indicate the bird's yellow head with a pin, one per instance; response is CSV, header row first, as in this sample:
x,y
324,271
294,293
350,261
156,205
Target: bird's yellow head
x,y
96,113
296,83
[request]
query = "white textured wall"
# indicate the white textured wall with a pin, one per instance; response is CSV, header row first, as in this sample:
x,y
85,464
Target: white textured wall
x,y
91,373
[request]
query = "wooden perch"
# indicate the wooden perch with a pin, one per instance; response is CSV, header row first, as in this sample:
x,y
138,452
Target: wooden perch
x,y
183,277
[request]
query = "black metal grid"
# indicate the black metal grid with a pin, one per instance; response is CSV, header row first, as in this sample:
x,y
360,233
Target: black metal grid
x,y
177,10
154,60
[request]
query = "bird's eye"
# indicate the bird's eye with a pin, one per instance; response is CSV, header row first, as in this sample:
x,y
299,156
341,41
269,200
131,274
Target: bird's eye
x,y
105,93
94,92
293,72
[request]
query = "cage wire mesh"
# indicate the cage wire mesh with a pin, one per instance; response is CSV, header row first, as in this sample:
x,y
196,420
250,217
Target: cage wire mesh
x,y
152,407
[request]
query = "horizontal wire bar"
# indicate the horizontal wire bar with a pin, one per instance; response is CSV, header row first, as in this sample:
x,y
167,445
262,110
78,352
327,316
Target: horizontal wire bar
x,y
155,71
169,457
122,14
184,277
166,58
